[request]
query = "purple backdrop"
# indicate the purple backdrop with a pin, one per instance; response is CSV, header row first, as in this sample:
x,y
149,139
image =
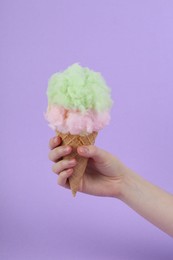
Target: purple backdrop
x,y
131,44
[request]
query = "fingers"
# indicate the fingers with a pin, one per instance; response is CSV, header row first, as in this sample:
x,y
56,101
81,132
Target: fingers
x,y
63,165
54,142
64,168
63,178
58,152
93,152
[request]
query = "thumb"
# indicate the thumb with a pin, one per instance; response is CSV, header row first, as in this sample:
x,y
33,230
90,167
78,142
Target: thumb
x,y
91,151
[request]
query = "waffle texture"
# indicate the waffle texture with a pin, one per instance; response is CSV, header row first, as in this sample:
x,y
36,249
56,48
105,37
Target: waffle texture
x,y
75,141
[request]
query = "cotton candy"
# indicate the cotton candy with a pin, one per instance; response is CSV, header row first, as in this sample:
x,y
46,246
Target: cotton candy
x,y
79,101
76,122
79,88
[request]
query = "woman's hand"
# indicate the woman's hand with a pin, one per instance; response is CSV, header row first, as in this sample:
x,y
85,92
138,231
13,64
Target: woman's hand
x,y
103,175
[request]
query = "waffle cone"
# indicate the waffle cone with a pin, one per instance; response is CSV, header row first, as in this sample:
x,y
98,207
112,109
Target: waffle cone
x,y
74,141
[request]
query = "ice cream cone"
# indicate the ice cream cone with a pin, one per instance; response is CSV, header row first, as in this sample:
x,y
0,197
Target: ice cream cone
x,y
79,102
74,141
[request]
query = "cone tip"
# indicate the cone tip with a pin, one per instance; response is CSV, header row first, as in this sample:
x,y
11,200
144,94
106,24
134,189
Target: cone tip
x,y
74,193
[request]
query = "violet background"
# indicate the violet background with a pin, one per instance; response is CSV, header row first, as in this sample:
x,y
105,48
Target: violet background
x,y
131,44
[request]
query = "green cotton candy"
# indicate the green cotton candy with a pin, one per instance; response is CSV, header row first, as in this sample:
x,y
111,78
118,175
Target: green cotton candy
x,y
79,88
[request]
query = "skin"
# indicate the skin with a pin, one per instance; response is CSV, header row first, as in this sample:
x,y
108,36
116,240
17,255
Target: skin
x,y
106,176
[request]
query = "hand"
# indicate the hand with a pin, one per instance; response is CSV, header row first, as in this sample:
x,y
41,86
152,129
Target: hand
x,y
104,173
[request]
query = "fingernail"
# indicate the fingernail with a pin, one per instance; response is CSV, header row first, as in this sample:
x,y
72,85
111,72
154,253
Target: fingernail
x,y
72,162
55,139
69,170
66,149
84,149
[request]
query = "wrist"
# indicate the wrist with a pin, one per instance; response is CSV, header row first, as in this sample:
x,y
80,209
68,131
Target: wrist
x,y
121,183
129,183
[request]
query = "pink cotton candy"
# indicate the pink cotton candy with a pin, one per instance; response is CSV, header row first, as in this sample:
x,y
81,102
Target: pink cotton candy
x,y
79,123
55,116
76,122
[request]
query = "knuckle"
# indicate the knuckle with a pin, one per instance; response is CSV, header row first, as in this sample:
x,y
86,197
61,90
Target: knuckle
x,y
57,152
60,164
54,154
62,178
59,181
58,167
50,144
50,156
63,164
55,169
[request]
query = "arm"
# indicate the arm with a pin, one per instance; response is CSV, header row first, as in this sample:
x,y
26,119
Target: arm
x,y
151,202
105,175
